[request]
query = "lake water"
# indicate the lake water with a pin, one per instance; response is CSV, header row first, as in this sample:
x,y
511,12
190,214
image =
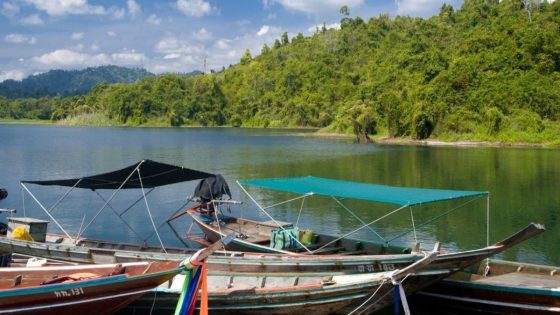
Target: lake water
x,y
524,183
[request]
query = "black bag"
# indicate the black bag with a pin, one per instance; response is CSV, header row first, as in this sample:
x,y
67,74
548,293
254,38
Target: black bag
x,y
3,193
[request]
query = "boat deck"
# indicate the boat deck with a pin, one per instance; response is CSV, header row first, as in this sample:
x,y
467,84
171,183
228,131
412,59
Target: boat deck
x,y
254,233
525,280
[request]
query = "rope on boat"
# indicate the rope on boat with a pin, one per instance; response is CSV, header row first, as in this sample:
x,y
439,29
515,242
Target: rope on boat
x,y
117,213
413,225
149,212
436,218
154,302
300,210
271,218
111,198
360,228
400,294
369,298
343,206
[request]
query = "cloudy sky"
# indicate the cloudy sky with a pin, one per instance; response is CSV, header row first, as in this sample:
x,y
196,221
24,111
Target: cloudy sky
x,y
165,35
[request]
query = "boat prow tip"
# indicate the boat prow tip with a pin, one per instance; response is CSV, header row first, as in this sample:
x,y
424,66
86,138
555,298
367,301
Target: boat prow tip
x,y
539,226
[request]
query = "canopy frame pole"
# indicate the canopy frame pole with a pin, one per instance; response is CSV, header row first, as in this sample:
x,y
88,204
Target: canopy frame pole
x,y
287,201
148,209
23,201
357,217
437,217
413,225
51,209
137,201
269,216
115,212
216,209
176,234
488,220
361,227
111,198
46,211
173,217
299,214
487,231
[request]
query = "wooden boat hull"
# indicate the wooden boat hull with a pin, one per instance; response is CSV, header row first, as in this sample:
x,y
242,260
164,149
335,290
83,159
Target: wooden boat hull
x,y
311,298
104,295
509,288
440,267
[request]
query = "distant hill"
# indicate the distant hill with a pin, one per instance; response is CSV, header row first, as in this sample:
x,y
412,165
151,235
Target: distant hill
x,y
69,82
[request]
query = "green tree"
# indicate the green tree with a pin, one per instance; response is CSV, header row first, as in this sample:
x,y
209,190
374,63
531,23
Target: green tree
x,y
246,58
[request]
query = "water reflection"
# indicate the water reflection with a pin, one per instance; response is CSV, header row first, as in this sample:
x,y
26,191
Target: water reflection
x,y
523,182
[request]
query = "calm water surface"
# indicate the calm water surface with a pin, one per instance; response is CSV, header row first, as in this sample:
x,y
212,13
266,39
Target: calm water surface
x,y
524,183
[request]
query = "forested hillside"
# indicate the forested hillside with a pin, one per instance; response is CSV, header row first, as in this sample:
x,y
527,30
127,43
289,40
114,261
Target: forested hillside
x,y
487,71
69,82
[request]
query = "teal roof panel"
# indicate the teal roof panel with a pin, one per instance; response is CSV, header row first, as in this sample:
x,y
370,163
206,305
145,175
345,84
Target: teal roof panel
x,y
358,190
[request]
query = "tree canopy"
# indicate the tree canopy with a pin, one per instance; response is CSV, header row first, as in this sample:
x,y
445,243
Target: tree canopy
x,y
489,70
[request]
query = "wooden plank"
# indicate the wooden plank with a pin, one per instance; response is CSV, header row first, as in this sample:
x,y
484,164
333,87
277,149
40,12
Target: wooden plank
x,y
519,279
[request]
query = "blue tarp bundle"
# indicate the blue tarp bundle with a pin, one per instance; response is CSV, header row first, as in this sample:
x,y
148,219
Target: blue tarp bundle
x,y
362,191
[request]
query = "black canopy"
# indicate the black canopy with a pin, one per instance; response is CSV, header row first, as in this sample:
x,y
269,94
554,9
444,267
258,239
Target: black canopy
x,y
153,174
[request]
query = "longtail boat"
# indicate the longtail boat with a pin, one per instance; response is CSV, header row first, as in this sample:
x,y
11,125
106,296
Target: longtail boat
x,y
364,257
274,236
86,289
497,287
146,175
287,293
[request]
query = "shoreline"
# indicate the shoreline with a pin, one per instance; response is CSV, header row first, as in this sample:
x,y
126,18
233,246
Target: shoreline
x,y
460,143
383,140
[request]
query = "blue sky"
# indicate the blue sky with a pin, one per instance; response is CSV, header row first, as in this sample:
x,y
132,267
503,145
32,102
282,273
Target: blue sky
x,y
168,35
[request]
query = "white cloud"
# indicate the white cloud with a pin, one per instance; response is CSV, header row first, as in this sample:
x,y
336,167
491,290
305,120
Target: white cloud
x,y
133,8
128,58
117,13
33,19
418,7
154,20
314,28
267,3
94,47
194,7
227,51
20,39
78,47
9,9
202,34
69,58
64,7
11,75
111,33
173,45
222,43
64,58
264,29
78,36
317,6
171,56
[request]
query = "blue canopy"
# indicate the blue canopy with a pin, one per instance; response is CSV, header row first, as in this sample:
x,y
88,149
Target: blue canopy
x,y
363,191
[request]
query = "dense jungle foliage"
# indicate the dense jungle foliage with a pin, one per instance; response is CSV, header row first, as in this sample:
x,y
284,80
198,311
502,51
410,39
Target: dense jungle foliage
x,y
69,82
487,71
